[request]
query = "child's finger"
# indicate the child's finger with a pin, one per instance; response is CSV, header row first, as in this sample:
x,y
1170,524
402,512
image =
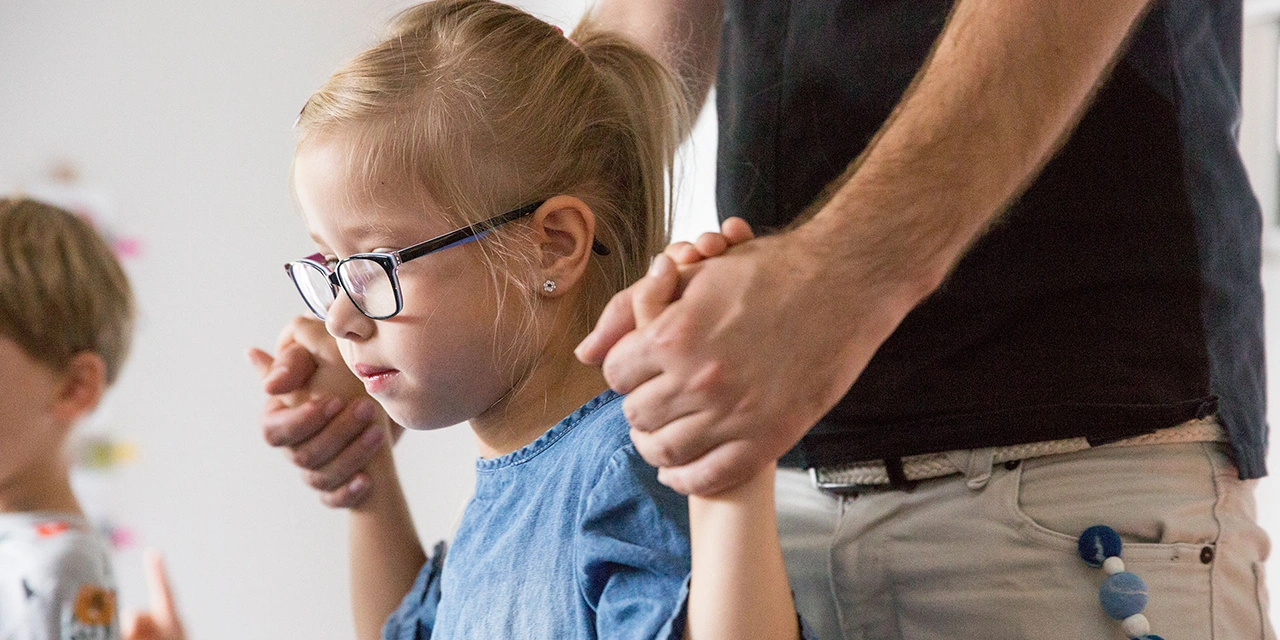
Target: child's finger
x,y
260,360
293,367
683,252
163,611
736,231
139,626
309,332
711,244
617,320
655,291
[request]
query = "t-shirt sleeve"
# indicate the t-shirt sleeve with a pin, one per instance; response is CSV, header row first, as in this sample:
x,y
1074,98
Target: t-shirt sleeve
x,y
632,552
84,594
416,616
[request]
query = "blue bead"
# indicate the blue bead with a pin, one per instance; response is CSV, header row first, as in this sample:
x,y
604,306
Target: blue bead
x,y
1123,595
1098,543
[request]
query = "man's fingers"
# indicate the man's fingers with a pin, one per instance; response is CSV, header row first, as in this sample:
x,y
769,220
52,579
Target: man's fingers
x,y
340,433
293,367
722,468
284,426
679,442
349,495
353,459
659,401
655,291
163,611
617,320
260,360
736,231
630,363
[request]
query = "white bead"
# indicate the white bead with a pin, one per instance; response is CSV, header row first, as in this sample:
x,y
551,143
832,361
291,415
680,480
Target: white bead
x,y
1136,626
1113,565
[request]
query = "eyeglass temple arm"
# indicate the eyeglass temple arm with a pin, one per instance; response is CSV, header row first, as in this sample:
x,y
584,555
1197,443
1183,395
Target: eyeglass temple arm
x,y
473,232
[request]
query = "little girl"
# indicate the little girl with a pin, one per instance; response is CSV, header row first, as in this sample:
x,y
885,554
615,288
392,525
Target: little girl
x,y
478,186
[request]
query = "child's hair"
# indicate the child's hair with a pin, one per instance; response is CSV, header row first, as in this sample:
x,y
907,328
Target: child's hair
x,y
62,291
479,107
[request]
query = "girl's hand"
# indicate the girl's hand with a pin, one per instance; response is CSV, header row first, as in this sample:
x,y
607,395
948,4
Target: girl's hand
x,y
319,413
733,231
162,621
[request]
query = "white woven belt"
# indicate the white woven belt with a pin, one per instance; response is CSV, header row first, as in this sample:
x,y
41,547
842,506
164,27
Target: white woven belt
x,y
873,473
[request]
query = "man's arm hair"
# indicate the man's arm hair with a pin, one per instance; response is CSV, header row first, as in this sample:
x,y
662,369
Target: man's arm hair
x,y
1005,85
683,34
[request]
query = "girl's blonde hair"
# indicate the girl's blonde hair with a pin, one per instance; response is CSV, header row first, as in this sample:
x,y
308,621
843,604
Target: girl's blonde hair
x,y
479,108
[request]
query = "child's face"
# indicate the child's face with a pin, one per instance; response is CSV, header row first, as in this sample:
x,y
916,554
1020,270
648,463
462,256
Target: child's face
x,y
27,428
436,363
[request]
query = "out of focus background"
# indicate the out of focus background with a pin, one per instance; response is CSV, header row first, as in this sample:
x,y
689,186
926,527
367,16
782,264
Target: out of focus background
x,y
168,122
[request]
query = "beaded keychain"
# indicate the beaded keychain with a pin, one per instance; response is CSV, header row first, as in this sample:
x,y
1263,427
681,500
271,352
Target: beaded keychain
x,y
1123,595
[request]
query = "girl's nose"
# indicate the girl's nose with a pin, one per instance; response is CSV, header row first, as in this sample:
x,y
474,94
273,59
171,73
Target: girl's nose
x,y
345,322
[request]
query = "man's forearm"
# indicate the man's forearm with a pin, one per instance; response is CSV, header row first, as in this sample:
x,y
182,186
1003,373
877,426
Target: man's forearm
x,y
1007,81
683,34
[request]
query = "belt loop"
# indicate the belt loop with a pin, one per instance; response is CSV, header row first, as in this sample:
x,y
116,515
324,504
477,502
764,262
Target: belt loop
x,y
897,476
978,472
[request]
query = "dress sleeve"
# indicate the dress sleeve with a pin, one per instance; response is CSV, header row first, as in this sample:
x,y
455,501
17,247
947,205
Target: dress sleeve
x,y
416,615
632,552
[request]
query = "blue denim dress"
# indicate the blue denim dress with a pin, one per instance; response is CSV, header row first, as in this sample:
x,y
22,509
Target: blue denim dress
x,y
570,537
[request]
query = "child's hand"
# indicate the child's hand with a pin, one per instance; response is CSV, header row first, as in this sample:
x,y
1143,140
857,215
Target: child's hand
x,y
733,232
162,621
320,414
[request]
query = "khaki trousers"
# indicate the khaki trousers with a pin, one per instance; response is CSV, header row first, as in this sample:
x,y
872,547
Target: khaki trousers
x,y
992,554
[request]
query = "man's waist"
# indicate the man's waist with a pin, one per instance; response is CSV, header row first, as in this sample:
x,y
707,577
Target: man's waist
x,y
906,471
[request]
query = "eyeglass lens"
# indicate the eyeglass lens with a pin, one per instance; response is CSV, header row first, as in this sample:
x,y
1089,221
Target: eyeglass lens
x,y
313,284
369,285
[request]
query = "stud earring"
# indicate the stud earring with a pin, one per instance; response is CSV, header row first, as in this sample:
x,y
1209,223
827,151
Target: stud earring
x,y
549,286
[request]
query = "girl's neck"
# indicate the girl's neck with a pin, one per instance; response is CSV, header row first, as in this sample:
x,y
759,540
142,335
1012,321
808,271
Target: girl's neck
x,y
554,389
44,486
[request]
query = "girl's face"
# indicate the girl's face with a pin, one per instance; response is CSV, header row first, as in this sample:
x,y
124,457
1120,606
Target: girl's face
x,y
437,362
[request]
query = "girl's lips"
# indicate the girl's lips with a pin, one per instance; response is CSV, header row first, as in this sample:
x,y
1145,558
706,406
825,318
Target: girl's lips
x,y
370,371
375,378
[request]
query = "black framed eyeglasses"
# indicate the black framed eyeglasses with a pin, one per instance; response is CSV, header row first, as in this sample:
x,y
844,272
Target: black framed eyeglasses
x,y
371,280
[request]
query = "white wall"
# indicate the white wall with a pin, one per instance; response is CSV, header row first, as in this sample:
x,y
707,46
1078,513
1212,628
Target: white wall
x,y
180,114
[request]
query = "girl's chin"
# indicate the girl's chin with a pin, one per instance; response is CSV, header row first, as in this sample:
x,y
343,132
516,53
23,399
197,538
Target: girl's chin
x,y
416,421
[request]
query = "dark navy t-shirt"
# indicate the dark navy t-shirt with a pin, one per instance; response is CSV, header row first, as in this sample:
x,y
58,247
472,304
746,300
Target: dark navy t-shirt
x,y
1120,294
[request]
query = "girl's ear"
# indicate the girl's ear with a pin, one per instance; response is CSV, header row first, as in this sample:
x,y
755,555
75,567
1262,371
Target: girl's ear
x,y
81,387
564,229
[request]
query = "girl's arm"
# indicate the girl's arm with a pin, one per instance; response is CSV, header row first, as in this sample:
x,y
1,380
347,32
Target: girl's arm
x,y
738,587
385,552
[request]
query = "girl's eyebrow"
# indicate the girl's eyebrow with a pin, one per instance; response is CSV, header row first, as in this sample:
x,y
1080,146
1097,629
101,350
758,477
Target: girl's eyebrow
x,y
359,235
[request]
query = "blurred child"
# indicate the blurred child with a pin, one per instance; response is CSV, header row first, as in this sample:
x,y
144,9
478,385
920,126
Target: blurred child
x,y
478,186
65,324
66,321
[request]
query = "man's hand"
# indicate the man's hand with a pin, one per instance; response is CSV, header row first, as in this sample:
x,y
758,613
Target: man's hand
x,y
619,316
728,377
162,621
319,413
